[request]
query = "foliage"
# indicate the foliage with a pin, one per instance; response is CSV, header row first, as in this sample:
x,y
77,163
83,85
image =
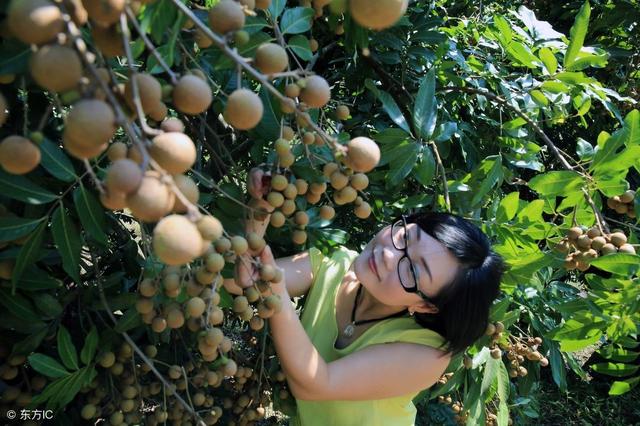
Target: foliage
x,y
524,126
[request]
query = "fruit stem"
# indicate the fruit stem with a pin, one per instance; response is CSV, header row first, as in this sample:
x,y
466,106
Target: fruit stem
x,y
95,179
126,37
443,175
150,46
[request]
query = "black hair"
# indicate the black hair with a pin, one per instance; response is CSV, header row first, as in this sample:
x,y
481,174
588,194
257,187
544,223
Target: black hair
x,y
464,303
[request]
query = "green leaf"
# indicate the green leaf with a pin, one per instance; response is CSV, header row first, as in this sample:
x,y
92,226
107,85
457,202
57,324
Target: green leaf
x,y
389,105
539,98
618,354
548,59
12,228
37,280
247,50
425,169
18,305
14,58
300,46
623,386
56,162
615,369
91,214
253,24
556,183
490,374
30,344
584,149
22,189
68,240
508,207
90,346
269,125
425,110
558,370
29,253
296,20
612,184
46,365
276,7
47,304
492,178
66,349
577,35
555,87
400,168
130,319
445,131
618,263
503,394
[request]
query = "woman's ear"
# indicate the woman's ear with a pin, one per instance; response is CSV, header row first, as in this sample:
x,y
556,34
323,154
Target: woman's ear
x,y
424,307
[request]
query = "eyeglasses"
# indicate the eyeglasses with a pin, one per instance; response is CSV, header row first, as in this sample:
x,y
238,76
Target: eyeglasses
x,y
406,270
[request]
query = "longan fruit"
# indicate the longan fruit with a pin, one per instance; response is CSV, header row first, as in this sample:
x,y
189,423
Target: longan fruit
x,y
196,307
290,191
176,240
618,239
342,112
124,176
226,16
90,123
288,133
34,21
210,228
313,197
256,323
288,207
593,232
282,146
230,368
144,305
299,236
598,242
308,138
192,95
175,319
172,125
313,44
318,187
255,241
302,186
244,109
628,196
363,211
252,294
292,90
108,40
583,242
214,262
222,245
345,195
301,218
288,106
189,189
19,155
363,154
271,58
327,212
316,92
113,200
107,359
627,248
277,219
56,68
359,181
3,108
104,12
338,180
267,272
88,411
239,245
275,199
377,15
287,160
117,151
175,152
279,182
149,89
574,233
216,316
241,37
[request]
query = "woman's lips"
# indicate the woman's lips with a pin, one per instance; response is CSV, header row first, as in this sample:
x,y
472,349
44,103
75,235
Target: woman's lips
x,y
372,264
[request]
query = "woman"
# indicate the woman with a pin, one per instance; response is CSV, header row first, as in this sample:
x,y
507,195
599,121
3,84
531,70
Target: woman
x,y
379,326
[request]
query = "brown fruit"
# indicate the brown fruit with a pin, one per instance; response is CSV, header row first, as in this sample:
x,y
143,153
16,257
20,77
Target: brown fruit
x,y
329,169
175,319
277,219
226,16
174,152
282,146
290,192
256,323
255,241
108,40
583,242
286,160
363,154
342,112
301,218
158,324
104,12
210,228
271,58
313,44
192,95
593,232
299,236
377,15
176,240
275,199
496,353
622,208
574,233
239,245
288,133
91,123
223,245
316,92
243,110
124,176
34,21
359,181
18,155
189,189
152,200
56,68
196,307
302,186
318,187
158,113
77,11
598,242
363,211
618,239
279,182
628,196
144,305
172,125
113,200
201,39
627,248
107,359
345,195
288,106
608,249
117,151
339,180
149,89
6,269
292,90
327,212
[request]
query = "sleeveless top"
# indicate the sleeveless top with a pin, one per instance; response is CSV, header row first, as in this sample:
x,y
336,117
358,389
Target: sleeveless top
x,y
319,321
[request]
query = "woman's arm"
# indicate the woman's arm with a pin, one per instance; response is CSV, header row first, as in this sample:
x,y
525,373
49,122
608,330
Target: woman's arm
x,y
379,371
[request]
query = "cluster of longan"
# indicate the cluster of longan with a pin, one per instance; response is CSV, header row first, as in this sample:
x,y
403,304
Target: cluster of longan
x,y
249,400
282,197
583,245
21,383
460,416
260,297
346,184
521,349
623,204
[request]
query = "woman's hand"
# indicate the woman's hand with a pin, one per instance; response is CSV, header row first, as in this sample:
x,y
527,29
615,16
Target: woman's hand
x,y
258,183
247,269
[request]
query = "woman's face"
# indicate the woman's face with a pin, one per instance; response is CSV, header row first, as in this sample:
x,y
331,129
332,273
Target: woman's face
x,y
377,266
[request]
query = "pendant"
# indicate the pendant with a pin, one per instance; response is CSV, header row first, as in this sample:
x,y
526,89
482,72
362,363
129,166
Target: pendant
x,y
349,330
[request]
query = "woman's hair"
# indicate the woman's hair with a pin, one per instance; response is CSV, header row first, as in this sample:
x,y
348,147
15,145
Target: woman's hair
x,y
463,304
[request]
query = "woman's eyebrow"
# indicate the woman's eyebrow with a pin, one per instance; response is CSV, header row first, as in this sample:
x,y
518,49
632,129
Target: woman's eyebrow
x,y
424,262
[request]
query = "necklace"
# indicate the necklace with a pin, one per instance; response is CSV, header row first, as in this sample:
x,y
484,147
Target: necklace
x,y
351,327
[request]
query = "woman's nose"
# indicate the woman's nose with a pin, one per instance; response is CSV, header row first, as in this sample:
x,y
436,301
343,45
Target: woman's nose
x,y
390,256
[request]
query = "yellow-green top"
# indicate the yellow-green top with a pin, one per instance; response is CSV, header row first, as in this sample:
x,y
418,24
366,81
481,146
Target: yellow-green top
x,y
319,321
